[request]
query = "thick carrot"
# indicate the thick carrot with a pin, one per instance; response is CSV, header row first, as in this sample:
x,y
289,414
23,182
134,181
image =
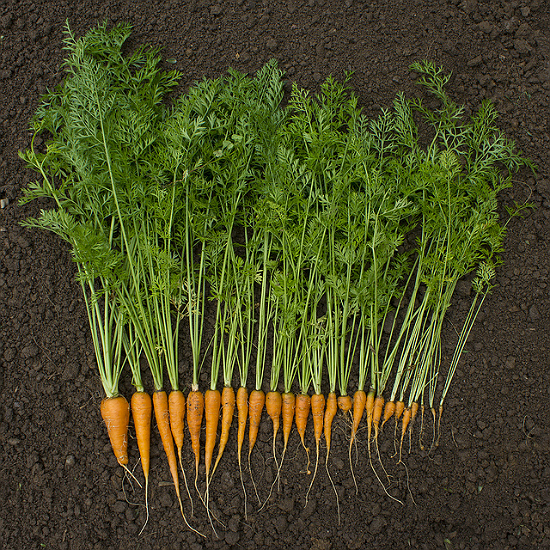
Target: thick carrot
x,y
256,403
303,405
345,403
228,408
115,412
318,413
273,407
195,411
212,403
142,409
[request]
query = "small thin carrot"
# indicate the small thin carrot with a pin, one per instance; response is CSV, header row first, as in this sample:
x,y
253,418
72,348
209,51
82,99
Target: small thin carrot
x,y
377,414
115,412
242,409
212,403
142,409
359,403
318,413
389,411
176,409
273,407
288,410
162,416
399,408
256,403
195,411
345,403
405,423
369,407
303,405
330,413
228,408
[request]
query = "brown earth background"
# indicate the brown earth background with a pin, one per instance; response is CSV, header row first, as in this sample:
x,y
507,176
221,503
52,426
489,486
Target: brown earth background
x,y
487,486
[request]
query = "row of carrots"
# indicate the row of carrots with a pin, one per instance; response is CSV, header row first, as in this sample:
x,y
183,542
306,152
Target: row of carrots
x,y
214,406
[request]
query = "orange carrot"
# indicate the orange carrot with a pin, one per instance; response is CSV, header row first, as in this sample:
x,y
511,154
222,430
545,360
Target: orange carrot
x,y
142,409
399,408
330,413
377,414
359,403
212,402
318,413
404,425
242,408
273,407
288,409
303,404
141,413
369,406
195,411
176,409
228,408
389,411
115,412
162,416
255,407
345,403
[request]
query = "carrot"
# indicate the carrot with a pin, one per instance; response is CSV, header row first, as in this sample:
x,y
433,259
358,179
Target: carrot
x,y
162,416
288,409
141,413
303,404
288,406
330,413
212,402
345,403
195,410
438,425
115,412
318,413
369,406
242,408
255,407
142,409
377,414
389,411
176,410
228,408
405,423
399,408
273,407
359,403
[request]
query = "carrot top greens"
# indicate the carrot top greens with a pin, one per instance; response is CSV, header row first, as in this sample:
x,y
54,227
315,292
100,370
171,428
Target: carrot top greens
x,y
293,221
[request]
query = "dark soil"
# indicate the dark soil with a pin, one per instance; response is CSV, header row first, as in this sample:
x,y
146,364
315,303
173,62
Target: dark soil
x,y
487,486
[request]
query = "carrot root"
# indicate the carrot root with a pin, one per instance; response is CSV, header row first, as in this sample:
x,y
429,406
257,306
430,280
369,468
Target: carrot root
x,y
115,412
